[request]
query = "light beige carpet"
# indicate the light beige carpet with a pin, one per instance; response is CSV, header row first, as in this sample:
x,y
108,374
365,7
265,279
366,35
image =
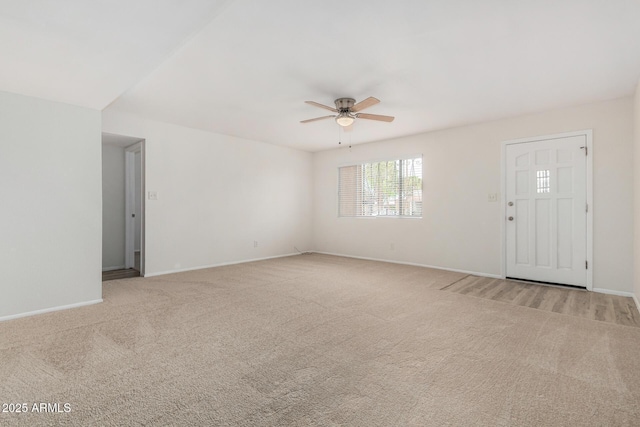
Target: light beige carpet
x,y
316,340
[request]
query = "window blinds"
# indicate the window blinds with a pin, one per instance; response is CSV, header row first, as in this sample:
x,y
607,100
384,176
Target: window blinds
x,y
388,188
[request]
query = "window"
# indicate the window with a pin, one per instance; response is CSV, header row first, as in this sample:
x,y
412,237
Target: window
x,y
542,181
390,188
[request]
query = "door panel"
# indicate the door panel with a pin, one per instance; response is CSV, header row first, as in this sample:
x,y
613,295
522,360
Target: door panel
x,y
543,232
522,232
546,210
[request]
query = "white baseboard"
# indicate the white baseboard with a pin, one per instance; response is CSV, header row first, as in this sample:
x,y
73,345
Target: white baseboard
x,y
435,267
621,294
202,267
611,292
117,267
475,273
49,310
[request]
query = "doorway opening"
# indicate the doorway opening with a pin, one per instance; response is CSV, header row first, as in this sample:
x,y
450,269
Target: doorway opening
x,y
122,207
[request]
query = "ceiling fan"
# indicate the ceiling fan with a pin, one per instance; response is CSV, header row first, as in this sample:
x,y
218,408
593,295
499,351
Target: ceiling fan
x,y
348,111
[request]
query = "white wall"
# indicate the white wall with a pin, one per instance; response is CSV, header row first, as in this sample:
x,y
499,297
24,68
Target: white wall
x,y
460,228
217,195
50,220
636,193
113,215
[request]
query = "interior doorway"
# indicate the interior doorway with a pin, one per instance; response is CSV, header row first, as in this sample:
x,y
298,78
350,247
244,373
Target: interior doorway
x,y
123,207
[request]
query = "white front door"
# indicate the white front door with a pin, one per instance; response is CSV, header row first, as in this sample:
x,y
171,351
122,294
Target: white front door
x,y
546,210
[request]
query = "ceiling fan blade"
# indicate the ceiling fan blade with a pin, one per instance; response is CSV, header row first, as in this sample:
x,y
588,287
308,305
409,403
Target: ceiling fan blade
x,y
317,118
322,106
370,101
376,117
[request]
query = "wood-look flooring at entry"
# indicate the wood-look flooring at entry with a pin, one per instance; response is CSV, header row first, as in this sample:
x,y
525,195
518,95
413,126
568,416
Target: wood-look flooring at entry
x,y
120,274
574,302
125,273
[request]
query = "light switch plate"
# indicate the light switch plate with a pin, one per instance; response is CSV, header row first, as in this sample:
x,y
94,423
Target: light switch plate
x,y
153,195
493,197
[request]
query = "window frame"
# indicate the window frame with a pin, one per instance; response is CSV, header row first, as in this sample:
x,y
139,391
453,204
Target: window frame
x,y
380,160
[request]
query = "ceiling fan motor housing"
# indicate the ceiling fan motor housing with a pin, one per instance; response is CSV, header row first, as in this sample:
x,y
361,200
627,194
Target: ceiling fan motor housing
x,y
344,104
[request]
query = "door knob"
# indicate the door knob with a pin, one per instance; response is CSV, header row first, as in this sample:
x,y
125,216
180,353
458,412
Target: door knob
x,y
510,218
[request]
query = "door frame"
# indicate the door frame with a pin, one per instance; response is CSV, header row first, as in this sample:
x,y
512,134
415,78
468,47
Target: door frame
x,y
129,229
588,134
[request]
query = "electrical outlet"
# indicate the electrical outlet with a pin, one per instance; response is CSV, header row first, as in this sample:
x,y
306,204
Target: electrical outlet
x,y
493,197
392,246
152,195
255,243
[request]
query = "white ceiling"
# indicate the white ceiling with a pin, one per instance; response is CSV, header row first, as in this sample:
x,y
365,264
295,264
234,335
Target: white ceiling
x,y
88,52
252,64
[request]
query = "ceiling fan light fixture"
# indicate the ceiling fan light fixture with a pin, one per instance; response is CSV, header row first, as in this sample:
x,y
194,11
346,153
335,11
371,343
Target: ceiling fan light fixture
x,y
344,119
